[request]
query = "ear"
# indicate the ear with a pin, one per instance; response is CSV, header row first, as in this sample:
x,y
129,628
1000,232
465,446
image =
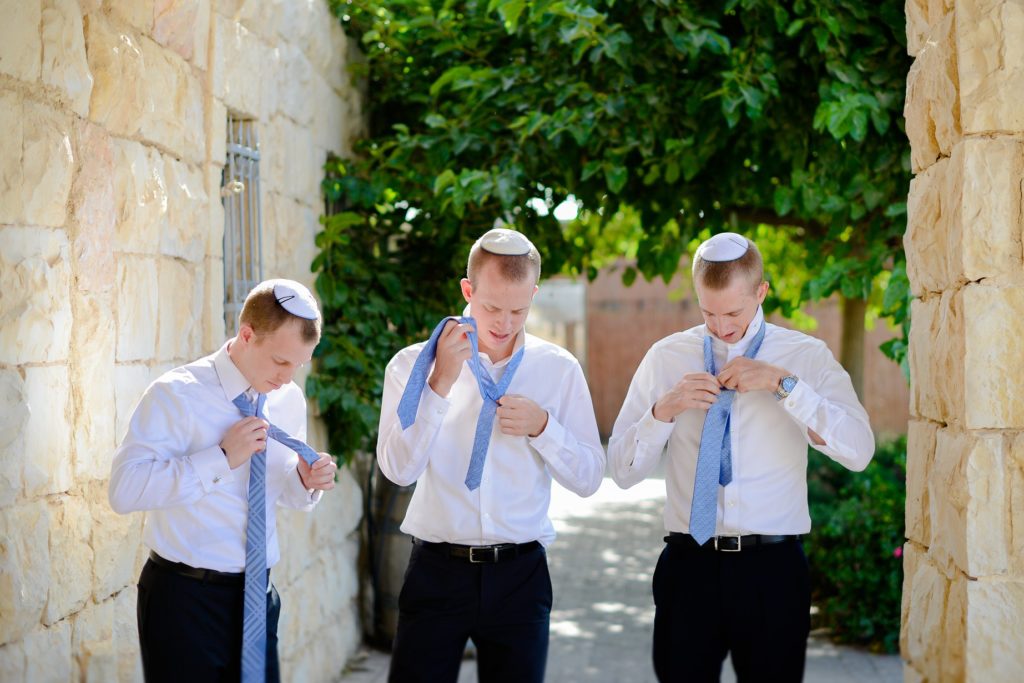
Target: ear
x,y
246,334
467,289
762,292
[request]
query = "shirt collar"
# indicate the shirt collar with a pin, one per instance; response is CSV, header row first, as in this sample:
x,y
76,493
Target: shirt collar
x,y
519,343
743,344
232,381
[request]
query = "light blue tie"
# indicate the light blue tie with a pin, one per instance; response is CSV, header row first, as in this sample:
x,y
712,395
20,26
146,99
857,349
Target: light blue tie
x,y
491,393
254,615
714,458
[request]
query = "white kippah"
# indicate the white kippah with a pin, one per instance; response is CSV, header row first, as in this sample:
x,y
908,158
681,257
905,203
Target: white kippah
x,y
725,246
296,299
505,242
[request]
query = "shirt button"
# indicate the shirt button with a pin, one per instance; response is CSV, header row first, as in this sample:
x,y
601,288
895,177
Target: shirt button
x,y
790,403
732,503
216,480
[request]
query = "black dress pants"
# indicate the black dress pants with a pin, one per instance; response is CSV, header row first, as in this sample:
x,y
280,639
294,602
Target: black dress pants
x,y
754,604
191,630
504,607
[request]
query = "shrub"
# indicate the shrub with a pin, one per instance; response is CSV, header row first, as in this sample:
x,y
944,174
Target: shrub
x,y
855,547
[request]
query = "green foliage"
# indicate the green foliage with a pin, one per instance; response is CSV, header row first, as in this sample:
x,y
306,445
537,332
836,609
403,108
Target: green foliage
x,y
686,118
855,547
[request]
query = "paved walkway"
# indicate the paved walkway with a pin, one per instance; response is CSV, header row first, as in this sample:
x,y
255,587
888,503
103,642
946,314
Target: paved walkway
x,y
601,567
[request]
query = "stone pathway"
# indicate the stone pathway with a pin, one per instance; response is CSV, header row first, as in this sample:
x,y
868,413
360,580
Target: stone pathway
x,y
601,568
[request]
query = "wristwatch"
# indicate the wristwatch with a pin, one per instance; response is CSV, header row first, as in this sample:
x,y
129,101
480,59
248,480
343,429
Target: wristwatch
x,y
786,386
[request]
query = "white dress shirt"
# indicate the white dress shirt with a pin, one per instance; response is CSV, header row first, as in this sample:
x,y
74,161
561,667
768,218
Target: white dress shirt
x,y
768,492
171,465
511,505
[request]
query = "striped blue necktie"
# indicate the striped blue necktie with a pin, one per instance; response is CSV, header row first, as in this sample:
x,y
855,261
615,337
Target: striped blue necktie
x,y
714,458
254,615
491,393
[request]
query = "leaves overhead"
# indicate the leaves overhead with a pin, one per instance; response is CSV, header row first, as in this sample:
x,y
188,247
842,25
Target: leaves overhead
x,y
688,118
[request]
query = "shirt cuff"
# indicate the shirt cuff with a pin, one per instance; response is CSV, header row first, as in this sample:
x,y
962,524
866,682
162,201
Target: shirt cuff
x,y
652,431
212,468
433,407
552,436
802,403
301,493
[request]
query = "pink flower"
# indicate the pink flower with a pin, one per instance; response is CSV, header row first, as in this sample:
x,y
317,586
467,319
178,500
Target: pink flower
x,y
898,552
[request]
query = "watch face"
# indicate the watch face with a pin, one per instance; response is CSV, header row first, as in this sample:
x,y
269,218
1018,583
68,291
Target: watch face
x,y
788,383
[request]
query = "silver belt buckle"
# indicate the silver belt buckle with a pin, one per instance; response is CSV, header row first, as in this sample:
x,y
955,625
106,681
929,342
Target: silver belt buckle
x,y
493,558
739,544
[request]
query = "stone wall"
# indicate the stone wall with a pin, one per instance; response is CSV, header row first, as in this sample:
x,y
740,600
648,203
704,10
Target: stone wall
x,y
112,141
963,596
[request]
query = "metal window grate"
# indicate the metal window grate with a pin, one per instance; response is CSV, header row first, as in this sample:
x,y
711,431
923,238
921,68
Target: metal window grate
x,y
243,233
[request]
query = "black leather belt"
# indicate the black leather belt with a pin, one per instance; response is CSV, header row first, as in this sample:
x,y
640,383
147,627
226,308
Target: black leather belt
x,y
207,575
730,544
480,554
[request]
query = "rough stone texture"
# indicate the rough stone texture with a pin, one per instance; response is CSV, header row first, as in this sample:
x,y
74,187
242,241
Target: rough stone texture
x,y
137,299
987,522
1016,475
115,542
65,65
12,663
136,13
186,211
991,56
126,638
20,44
11,173
993,644
48,654
175,25
14,416
140,195
24,569
94,210
94,624
936,358
920,451
241,56
47,454
994,361
35,280
129,383
963,596
213,334
92,356
948,500
173,97
111,273
180,296
964,216
932,108
70,558
119,72
935,624
47,164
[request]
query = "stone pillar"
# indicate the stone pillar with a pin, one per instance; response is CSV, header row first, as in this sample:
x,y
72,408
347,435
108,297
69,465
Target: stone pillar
x,y
963,594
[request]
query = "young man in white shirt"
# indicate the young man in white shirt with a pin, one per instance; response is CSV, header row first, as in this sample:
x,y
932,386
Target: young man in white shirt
x,y
186,460
733,576
479,513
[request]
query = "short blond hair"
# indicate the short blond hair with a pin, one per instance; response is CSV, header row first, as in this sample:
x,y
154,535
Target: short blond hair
x,y
514,268
717,275
265,315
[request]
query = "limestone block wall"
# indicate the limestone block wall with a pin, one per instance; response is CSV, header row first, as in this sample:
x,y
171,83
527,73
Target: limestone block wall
x,y
963,596
112,142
